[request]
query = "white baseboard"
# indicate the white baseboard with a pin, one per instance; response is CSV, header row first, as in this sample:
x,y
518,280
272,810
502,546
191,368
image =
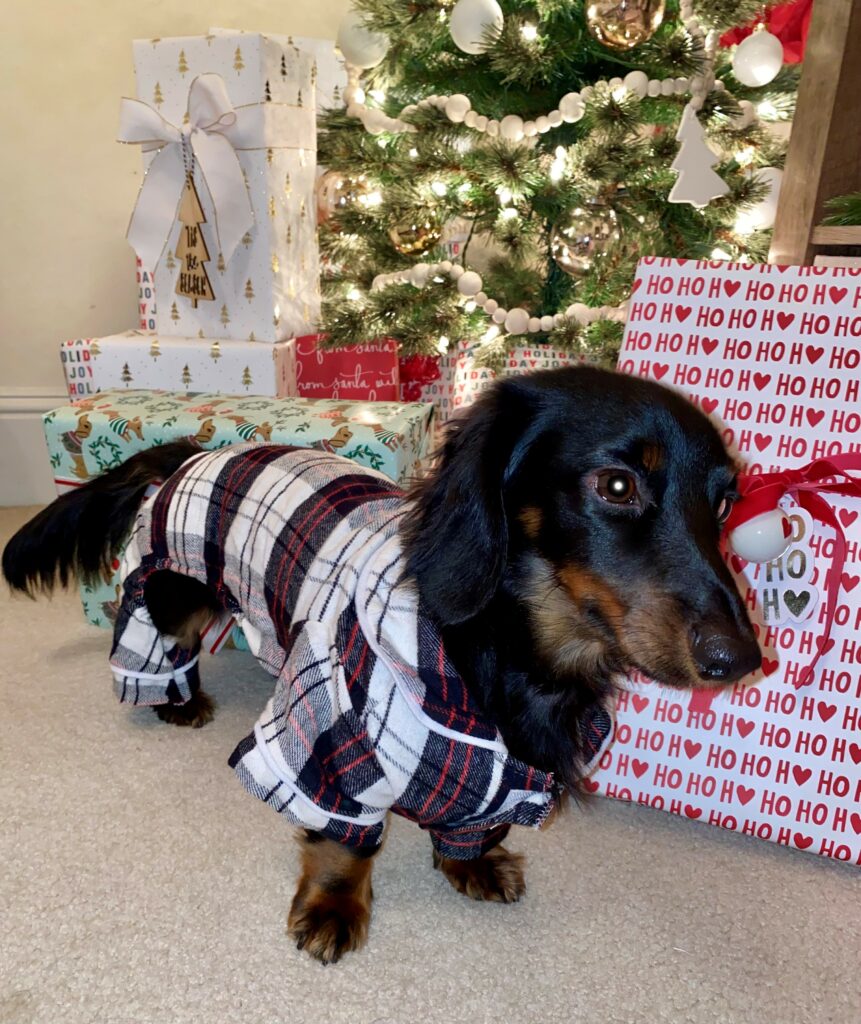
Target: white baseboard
x,y
25,472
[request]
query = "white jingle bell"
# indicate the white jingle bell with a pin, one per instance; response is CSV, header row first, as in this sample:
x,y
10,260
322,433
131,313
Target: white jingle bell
x,y
762,537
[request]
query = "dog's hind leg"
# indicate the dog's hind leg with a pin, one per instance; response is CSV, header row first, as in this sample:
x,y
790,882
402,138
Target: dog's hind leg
x,y
497,875
181,607
331,910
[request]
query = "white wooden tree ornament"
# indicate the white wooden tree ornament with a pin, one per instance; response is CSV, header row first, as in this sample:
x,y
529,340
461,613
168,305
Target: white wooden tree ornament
x,y
697,183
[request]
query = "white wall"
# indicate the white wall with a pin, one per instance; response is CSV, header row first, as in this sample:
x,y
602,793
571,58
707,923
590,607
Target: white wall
x,y
67,188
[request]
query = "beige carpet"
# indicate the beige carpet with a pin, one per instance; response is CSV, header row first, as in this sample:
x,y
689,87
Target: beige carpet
x,y
139,884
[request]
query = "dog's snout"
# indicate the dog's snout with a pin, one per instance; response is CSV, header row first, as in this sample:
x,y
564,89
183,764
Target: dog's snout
x,y
724,658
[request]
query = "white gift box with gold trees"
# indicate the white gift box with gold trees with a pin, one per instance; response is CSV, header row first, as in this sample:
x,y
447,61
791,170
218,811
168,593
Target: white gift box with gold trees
x,y
226,211
138,360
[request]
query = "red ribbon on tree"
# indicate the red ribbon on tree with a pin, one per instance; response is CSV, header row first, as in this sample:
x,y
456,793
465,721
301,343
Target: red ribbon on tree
x,y
416,372
808,486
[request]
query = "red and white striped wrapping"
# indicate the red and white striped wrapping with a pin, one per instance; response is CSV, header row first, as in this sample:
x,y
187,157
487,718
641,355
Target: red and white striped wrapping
x,y
772,355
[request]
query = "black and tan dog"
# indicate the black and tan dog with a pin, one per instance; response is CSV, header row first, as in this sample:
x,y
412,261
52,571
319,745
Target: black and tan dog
x,y
568,534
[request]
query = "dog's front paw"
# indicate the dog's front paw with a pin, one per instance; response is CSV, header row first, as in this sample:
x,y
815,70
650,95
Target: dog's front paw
x,y
498,875
326,927
196,711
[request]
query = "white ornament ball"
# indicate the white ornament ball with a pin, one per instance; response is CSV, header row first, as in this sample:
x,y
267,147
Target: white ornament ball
x,y
637,82
359,45
762,216
572,107
517,321
534,324
547,323
499,315
469,283
471,20
511,127
457,107
758,59
762,538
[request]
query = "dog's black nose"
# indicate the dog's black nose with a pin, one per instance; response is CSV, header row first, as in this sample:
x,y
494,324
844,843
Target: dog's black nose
x,y
725,659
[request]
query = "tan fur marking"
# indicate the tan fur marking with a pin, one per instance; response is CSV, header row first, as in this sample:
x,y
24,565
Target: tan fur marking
x,y
531,520
653,456
331,910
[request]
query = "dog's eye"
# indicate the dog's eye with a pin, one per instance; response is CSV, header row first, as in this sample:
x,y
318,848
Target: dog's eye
x,y
616,486
724,509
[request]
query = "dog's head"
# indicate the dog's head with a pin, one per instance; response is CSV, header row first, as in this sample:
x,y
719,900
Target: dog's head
x,y
596,501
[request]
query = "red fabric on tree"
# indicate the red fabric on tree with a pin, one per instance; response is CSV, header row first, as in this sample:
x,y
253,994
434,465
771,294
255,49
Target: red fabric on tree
x,y
790,22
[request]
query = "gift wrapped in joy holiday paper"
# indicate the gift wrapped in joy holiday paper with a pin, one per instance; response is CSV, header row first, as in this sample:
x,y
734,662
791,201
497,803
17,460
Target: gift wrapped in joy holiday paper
x,y
358,372
94,435
136,360
458,381
226,212
146,298
772,354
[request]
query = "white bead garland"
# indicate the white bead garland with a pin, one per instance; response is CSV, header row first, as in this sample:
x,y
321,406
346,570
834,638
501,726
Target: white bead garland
x,y
516,320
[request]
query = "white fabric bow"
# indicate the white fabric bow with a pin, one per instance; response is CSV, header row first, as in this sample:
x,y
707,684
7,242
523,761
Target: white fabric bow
x,y
210,117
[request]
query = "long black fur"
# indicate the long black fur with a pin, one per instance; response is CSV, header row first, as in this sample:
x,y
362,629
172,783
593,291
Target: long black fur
x,y
77,535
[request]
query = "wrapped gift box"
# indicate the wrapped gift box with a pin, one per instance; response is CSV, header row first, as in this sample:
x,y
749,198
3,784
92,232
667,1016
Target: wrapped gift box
x,y
136,360
267,287
146,298
772,355
460,381
357,372
94,435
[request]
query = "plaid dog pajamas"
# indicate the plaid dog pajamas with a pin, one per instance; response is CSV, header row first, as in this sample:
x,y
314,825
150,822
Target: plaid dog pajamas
x,y
368,714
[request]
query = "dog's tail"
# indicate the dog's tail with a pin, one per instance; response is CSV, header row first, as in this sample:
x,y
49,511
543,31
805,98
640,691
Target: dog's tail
x,y
77,535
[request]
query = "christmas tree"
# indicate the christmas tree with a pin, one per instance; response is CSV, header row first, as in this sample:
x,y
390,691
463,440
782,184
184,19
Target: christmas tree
x,y
539,152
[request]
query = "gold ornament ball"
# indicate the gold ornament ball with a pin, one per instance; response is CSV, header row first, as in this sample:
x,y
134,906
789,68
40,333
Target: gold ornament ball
x,y
622,24
335,191
416,234
581,237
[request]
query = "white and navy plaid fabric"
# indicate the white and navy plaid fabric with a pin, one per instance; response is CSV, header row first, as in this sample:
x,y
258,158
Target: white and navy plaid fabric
x,y
368,714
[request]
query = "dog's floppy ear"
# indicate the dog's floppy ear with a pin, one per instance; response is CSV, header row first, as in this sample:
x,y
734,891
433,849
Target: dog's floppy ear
x,y
457,534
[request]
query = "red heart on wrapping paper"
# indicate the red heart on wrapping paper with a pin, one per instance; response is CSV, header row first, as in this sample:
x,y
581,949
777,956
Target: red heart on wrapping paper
x,y
826,711
745,728
709,345
825,645
855,752
847,517
785,319
659,369
692,812
814,417
802,842
761,380
837,293
849,582
801,774
737,563
692,749
769,665
640,703
745,794
709,405
683,312
855,821
814,352
637,282
590,785
732,287
639,768
762,441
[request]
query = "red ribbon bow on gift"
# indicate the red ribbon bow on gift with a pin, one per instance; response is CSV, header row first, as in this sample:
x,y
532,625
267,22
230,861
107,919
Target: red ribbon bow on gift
x,y
807,486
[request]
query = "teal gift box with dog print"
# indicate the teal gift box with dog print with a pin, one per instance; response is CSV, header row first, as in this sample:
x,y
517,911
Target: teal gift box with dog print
x,y
91,436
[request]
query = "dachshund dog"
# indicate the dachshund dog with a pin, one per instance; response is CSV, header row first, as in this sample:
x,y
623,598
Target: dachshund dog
x,y
450,654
